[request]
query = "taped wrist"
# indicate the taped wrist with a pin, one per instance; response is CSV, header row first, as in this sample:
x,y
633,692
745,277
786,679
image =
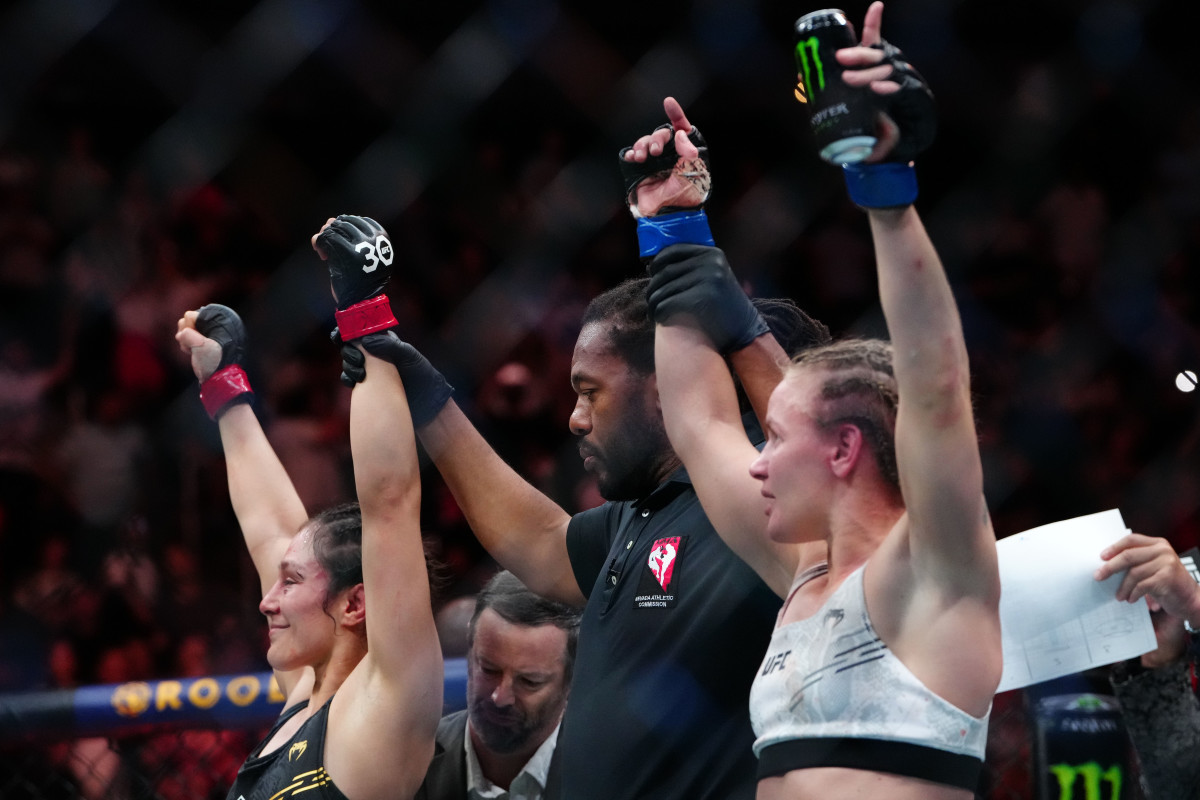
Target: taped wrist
x,y
225,388
681,227
886,185
369,316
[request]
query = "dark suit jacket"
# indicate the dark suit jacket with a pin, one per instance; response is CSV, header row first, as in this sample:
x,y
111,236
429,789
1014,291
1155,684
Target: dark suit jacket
x,y
447,775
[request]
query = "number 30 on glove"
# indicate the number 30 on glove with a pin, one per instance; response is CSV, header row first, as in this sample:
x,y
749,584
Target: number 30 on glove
x,y
360,259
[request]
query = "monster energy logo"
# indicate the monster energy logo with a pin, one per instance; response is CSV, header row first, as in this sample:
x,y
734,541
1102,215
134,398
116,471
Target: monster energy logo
x,y
808,56
1093,778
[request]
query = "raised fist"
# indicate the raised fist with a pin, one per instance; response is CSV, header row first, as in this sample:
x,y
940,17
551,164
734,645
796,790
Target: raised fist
x,y
427,389
215,338
360,258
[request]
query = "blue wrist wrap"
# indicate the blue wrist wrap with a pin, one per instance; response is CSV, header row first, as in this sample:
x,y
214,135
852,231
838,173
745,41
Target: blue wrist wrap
x,y
681,227
887,185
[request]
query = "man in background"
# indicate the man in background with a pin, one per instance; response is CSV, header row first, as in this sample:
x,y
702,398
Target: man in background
x,y
521,652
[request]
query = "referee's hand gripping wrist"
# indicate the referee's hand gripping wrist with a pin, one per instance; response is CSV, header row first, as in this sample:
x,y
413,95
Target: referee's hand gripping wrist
x,y
696,280
427,389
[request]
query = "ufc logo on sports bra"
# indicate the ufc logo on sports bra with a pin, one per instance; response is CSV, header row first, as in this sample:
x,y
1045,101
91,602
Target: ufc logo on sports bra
x,y
658,584
775,663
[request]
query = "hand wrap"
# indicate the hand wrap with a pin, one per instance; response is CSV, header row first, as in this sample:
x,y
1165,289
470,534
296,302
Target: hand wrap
x,y
663,230
360,259
426,388
227,385
696,280
367,317
225,388
884,185
698,171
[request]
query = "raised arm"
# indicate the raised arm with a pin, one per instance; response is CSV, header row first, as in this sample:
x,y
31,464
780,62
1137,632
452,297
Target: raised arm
x,y
382,727
937,452
400,630
265,502
382,722
525,531
702,315
701,413
759,367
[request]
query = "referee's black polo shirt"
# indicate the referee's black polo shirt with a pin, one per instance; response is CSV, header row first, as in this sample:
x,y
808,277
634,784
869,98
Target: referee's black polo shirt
x,y
674,630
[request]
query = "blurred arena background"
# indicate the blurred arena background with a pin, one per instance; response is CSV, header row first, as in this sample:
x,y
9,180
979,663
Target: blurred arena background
x,y
158,156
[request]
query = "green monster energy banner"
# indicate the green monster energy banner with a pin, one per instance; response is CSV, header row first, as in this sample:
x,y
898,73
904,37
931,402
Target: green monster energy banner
x,y
1082,750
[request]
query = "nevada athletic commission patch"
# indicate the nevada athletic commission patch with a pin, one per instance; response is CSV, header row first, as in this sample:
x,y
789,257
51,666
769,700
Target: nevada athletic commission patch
x,y
658,585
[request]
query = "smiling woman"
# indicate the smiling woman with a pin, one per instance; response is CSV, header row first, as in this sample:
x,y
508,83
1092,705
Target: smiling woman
x,y
322,561
343,671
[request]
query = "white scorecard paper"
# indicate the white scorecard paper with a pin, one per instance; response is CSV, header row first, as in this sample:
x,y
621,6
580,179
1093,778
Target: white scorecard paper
x,y
1055,619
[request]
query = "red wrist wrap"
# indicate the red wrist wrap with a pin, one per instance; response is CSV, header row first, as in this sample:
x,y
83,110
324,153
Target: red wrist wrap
x,y
366,317
222,388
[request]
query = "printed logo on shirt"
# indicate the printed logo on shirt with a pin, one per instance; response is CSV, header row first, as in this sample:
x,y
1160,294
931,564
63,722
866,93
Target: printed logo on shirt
x,y
774,663
662,560
313,779
297,750
658,586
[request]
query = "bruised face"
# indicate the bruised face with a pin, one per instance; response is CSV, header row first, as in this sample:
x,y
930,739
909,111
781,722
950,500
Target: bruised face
x,y
516,683
623,441
301,632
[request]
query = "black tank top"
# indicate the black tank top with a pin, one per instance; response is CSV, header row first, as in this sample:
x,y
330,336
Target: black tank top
x,y
294,768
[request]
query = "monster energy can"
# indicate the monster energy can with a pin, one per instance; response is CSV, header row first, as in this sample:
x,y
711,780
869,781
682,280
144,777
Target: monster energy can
x,y
842,117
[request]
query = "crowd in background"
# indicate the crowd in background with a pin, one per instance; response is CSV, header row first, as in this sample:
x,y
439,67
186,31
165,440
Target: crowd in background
x,y
1064,198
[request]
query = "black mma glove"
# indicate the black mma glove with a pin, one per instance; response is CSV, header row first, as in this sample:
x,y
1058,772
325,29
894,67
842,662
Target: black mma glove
x,y
913,108
223,325
670,224
354,370
228,385
426,388
697,280
893,182
360,259
698,171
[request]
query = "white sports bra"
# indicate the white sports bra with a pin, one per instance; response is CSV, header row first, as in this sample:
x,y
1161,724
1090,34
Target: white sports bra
x,y
831,694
